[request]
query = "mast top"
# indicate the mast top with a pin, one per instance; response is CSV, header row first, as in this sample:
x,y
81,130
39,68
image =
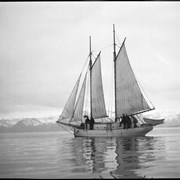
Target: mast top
x,y
90,53
114,43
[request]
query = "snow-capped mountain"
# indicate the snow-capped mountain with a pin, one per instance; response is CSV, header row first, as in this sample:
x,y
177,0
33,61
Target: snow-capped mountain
x,y
42,124
8,122
29,124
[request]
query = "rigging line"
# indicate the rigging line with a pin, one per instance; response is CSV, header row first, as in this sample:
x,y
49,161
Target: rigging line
x,y
118,46
86,110
93,56
110,84
65,129
86,90
77,100
142,89
109,34
140,119
110,119
117,38
112,93
145,94
85,63
100,49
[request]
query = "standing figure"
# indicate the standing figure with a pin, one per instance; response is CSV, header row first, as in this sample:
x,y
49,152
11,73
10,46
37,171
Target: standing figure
x,y
87,122
92,123
128,120
123,121
135,121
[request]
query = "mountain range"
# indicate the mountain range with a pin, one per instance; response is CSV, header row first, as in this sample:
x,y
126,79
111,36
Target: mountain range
x,y
47,124
29,125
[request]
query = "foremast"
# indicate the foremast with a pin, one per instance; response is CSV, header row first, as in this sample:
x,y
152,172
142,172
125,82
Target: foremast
x,y
97,102
90,65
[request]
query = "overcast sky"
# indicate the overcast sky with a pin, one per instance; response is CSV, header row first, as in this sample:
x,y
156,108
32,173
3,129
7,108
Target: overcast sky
x,y
43,47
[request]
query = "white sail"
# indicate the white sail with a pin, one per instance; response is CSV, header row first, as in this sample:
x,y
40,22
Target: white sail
x,y
98,103
78,111
129,98
69,107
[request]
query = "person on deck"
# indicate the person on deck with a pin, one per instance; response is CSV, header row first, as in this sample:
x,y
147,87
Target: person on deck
x,y
128,121
92,124
87,122
123,121
135,121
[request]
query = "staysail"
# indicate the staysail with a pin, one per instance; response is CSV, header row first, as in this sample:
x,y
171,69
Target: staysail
x,y
69,107
129,98
98,103
78,111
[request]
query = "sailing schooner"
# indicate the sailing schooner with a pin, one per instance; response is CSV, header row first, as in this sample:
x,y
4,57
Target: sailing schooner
x,y
128,100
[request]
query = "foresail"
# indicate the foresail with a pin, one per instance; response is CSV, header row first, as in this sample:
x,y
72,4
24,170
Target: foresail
x,y
98,103
129,99
78,111
69,107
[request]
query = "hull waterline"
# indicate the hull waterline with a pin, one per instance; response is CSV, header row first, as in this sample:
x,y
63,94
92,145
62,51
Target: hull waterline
x,y
130,132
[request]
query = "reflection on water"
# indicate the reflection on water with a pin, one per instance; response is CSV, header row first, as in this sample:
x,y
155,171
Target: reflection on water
x,y
60,155
117,157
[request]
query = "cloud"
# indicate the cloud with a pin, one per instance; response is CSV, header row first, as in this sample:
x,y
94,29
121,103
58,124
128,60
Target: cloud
x,y
44,46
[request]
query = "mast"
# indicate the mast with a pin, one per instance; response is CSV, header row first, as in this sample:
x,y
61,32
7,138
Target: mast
x,y
114,58
90,65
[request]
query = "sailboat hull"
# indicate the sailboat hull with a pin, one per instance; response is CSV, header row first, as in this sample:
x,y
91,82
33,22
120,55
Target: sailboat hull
x,y
130,132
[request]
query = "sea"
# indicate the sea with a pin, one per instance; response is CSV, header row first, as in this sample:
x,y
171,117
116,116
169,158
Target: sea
x,y
56,155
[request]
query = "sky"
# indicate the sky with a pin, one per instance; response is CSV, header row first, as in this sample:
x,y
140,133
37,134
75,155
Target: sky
x,y
44,45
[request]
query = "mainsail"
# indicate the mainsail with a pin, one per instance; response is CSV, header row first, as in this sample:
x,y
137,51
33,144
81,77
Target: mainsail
x,y
98,103
78,111
69,107
129,98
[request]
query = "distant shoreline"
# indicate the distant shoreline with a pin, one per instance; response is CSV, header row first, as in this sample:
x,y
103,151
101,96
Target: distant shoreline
x,y
62,130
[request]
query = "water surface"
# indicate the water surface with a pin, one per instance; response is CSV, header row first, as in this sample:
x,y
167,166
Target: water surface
x,y
60,155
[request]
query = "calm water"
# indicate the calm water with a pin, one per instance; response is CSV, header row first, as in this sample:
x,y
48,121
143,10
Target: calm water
x,y
60,155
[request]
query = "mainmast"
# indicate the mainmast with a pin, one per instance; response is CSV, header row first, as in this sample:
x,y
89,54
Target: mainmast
x,y
90,65
114,58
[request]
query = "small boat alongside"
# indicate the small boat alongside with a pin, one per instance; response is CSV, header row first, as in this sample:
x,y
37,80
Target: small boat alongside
x,y
153,122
